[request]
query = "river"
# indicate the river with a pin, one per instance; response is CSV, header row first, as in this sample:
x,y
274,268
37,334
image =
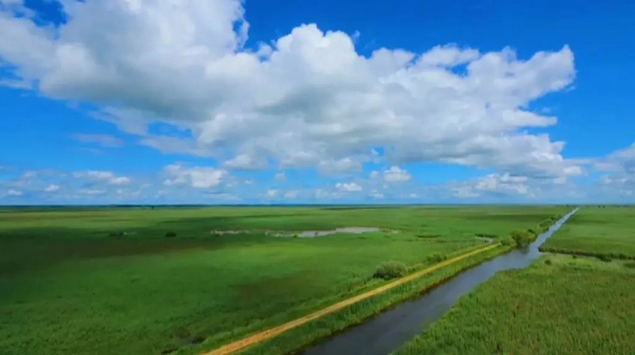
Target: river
x,y
388,331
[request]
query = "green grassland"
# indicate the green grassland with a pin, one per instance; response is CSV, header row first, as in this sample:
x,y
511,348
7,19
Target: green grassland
x,y
109,281
594,231
559,305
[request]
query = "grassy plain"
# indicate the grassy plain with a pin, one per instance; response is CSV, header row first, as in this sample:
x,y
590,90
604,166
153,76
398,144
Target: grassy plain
x,y
105,281
597,231
559,305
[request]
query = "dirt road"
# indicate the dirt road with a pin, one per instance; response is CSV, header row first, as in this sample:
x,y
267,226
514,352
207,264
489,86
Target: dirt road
x,y
275,331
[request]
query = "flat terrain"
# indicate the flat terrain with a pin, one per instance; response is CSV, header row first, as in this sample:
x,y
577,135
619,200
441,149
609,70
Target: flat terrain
x,y
597,231
560,305
109,281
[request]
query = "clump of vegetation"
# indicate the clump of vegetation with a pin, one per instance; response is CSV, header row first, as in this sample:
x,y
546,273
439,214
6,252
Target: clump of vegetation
x,y
548,262
428,236
436,258
605,258
523,237
630,265
116,234
170,234
390,270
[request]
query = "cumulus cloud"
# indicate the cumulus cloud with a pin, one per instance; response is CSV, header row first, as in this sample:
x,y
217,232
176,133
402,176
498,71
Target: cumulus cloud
x,y
14,193
245,162
619,171
101,139
496,185
280,177
107,177
196,177
396,174
339,166
290,195
348,187
376,194
91,192
307,99
52,188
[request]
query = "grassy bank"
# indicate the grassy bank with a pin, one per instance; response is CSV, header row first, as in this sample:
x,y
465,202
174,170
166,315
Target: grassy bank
x,y
112,281
357,313
605,232
560,305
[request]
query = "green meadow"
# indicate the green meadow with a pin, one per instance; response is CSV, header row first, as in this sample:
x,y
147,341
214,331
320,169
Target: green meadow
x,y
563,304
559,305
152,281
607,232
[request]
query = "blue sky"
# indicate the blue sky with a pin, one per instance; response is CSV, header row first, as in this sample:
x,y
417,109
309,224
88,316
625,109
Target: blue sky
x,y
222,101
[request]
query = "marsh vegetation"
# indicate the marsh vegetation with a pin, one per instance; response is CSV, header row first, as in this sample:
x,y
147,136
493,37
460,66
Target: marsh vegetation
x,y
142,281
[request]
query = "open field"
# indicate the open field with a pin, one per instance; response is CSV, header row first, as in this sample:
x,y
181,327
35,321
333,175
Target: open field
x,y
594,231
104,281
559,305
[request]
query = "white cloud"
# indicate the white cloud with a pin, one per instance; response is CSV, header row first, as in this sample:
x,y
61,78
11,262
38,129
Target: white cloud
x,y
280,177
500,185
14,193
619,169
376,194
348,187
29,174
197,177
336,167
307,98
396,174
107,177
464,192
272,193
245,162
52,188
102,139
374,174
321,194
91,192
291,195
16,84
505,183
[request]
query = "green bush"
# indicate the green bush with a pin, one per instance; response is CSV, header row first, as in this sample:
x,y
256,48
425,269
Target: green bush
x,y
170,234
604,258
523,237
548,262
436,258
390,270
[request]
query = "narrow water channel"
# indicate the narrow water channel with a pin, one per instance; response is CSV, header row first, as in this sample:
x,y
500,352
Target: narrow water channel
x,y
388,331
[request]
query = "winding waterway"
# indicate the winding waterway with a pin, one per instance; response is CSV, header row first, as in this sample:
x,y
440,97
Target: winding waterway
x,y
388,331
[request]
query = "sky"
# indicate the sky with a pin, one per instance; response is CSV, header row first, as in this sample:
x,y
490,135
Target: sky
x,y
325,102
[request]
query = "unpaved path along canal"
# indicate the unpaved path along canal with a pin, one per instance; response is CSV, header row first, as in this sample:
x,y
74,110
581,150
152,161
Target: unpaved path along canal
x,y
388,331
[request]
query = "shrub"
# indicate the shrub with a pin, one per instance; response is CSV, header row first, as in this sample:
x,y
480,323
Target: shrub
x,y
390,270
170,234
604,258
436,258
522,237
548,262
